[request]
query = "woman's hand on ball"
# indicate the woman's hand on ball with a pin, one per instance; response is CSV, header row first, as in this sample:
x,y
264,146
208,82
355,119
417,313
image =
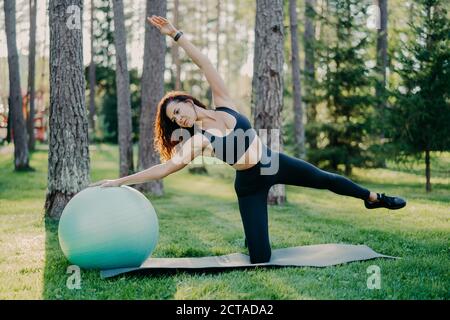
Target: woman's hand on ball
x,y
164,26
111,183
106,183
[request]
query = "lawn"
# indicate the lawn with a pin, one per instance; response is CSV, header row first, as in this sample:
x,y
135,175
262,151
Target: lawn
x,y
198,216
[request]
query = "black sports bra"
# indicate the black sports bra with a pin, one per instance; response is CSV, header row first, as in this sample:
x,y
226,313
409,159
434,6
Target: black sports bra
x,y
231,148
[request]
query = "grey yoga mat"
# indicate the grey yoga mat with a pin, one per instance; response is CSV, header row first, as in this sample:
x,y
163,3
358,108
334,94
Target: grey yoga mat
x,y
319,255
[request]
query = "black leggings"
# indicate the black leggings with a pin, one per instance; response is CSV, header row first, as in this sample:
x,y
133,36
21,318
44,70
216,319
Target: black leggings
x,y
252,186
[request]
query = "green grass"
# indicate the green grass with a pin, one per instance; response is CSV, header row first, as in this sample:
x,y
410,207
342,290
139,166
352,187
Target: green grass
x,y
199,216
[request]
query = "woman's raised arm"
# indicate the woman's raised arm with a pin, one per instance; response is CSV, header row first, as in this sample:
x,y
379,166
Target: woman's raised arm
x,y
219,90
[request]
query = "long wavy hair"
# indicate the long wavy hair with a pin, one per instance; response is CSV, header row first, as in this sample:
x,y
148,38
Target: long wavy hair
x,y
164,127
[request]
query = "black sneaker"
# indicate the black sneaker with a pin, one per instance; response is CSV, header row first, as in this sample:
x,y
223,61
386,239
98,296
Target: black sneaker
x,y
385,201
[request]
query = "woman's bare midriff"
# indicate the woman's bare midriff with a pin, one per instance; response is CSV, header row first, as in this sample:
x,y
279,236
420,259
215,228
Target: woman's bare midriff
x,y
248,159
251,156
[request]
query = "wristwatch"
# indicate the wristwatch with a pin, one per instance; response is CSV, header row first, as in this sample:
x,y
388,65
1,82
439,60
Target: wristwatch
x,y
178,35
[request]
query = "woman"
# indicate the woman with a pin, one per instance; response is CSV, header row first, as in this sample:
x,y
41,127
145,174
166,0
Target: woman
x,y
214,132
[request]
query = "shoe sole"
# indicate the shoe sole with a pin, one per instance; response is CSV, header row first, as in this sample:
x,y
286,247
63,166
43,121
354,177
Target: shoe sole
x,y
392,208
398,207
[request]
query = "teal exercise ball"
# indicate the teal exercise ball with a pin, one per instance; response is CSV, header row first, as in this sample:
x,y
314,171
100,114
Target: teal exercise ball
x,y
109,227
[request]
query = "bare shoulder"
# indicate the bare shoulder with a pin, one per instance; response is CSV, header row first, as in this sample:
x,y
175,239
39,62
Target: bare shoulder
x,y
225,102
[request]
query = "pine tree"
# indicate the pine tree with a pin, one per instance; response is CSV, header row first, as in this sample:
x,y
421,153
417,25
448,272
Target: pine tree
x,y
31,76
152,90
296,88
17,121
343,86
309,39
123,92
267,84
68,156
418,122
105,66
92,76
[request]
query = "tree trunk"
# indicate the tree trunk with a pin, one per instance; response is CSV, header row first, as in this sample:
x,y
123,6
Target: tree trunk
x,y
380,87
382,59
9,121
123,93
31,75
202,30
309,42
267,83
152,86
204,33
427,170
348,169
382,63
92,78
175,52
218,36
298,107
228,26
18,128
68,157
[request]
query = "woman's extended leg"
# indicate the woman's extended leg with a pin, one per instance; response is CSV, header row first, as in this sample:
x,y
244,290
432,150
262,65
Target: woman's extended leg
x,y
294,171
253,209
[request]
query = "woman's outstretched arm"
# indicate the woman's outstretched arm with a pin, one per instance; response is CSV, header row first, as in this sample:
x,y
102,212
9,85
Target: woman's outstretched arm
x,y
219,90
189,150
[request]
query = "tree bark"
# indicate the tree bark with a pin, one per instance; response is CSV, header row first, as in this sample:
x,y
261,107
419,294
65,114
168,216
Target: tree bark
x,y
31,75
427,170
123,93
309,41
92,77
228,26
382,63
348,169
175,52
152,86
382,58
202,29
218,27
267,83
9,121
68,157
298,107
18,128
204,32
